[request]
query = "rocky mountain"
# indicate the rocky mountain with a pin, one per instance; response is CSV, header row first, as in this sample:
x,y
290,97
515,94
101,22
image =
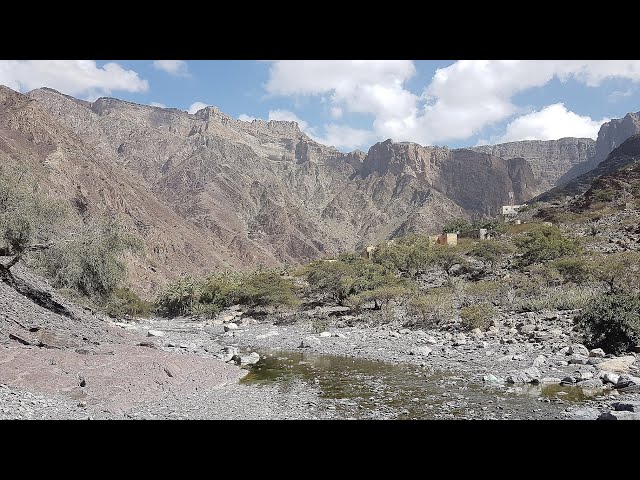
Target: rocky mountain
x,y
556,162
550,160
618,172
611,135
206,191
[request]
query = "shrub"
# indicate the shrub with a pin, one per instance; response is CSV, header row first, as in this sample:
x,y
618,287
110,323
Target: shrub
x,y
572,269
431,309
125,302
458,225
179,298
410,254
555,299
482,291
477,316
267,288
620,271
491,251
380,296
545,243
90,262
611,322
344,277
447,257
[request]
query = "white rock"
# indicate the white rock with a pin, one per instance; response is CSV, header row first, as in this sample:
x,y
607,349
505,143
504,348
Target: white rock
x,y
539,360
405,331
270,333
609,377
421,350
230,326
155,333
578,349
619,364
596,352
325,334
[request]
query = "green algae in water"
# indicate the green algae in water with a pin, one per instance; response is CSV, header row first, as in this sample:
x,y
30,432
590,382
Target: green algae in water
x,y
359,387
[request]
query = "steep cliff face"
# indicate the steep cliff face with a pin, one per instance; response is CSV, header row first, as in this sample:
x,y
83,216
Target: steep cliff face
x,y
617,163
550,160
206,191
611,135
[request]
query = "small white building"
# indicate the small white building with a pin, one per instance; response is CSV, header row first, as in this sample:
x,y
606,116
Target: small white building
x,y
511,210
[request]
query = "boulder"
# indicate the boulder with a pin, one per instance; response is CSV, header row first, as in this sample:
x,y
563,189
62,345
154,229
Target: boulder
x,y
627,405
421,350
309,342
585,413
528,375
596,352
230,326
578,349
155,333
228,353
627,381
609,377
621,415
578,359
539,360
325,334
250,359
405,331
618,364
492,379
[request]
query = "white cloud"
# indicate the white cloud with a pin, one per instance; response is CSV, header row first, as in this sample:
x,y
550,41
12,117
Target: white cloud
x,y
461,99
288,116
344,137
178,68
79,78
550,123
158,104
195,106
246,118
335,112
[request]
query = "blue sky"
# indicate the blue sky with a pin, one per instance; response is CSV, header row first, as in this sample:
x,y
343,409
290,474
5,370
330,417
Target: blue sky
x,y
353,104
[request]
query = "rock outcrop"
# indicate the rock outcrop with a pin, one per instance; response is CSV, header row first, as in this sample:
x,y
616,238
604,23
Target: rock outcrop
x,y
550,160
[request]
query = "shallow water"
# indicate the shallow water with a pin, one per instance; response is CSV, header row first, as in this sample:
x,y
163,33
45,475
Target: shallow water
x,y
360,388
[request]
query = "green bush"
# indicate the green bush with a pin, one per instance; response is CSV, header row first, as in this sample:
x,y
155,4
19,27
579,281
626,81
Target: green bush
x,y
380,296
268,289
572,269
619,272
125,302
491,251
90,262
447,257
409,254
611,322
555,299
545,243
477,316
431,309
179,298
336,280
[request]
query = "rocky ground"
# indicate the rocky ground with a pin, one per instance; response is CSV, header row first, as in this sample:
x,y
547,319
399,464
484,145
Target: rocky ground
x,y
519,354
525,366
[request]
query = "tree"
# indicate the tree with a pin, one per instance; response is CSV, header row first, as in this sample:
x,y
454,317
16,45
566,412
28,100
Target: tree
x,y
545,243
28,218
447,257
491,252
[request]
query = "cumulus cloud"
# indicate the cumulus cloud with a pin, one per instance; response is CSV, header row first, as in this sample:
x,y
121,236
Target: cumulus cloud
x,y
550,123
344,137
158,104
195,106
246,118
178,68
79,78
460,100
335,112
